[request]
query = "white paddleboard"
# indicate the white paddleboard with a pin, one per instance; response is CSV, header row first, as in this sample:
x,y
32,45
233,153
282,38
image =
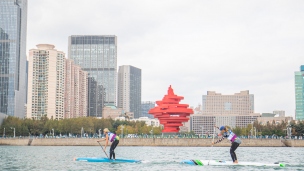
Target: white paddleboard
x,y
222,162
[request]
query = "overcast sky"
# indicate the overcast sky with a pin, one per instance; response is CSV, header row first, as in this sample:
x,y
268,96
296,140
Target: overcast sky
x,y
195,46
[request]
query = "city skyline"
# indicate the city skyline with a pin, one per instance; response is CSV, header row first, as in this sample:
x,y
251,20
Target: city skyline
x,y
216,46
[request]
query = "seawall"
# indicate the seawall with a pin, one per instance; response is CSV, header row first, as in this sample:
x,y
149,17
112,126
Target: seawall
x,y
182,142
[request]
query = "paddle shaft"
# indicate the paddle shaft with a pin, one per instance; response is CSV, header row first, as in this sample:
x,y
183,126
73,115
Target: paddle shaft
x,y
212,141
103,149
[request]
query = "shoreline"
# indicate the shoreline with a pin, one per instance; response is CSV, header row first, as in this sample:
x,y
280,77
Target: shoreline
x,y
174,142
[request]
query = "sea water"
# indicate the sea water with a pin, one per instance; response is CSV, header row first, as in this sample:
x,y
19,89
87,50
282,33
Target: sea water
x,y
57,158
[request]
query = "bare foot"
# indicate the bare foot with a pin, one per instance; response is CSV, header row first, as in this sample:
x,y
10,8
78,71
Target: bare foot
x,y
235,162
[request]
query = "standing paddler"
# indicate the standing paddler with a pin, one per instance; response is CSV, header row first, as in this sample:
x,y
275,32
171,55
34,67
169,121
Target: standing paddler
x,y
113,138
235,141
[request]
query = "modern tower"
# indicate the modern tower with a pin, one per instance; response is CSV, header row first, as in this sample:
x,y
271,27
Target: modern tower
x,y
46,77
97,55
13,23
299,93
129,89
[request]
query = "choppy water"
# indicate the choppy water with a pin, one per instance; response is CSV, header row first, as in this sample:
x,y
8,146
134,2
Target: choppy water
x,y
42,158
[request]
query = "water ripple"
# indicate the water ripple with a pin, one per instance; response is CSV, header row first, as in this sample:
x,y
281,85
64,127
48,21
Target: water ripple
x,y
60,158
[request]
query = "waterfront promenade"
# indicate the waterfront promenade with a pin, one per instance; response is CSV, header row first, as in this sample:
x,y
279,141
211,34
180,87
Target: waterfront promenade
x,y
182,142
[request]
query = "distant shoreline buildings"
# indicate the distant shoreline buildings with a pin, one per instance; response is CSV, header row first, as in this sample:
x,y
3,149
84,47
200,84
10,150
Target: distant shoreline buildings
x,y
232,110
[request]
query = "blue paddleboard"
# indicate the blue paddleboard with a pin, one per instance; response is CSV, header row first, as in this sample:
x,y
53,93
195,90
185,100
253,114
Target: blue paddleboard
x,y
100,159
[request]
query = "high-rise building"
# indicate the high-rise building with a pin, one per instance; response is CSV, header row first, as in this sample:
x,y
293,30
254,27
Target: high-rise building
x,y
299,93
238,104
145,107
46,87
13,24
232,110
76,91
129,89
97,55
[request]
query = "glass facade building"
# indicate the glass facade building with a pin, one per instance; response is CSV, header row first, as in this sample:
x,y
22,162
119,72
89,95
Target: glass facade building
x,y
13,23
299,93
145,107
97,55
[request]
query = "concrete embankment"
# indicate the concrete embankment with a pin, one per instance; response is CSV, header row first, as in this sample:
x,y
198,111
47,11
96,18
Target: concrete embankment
x,y
183,142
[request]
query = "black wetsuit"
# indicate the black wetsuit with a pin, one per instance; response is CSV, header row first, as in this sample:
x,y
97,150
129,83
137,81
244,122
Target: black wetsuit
x,y
112,148
233,147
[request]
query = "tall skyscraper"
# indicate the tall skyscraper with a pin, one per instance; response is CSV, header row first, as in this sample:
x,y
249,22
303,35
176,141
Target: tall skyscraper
x,y
13,23
76,91
46,77
129,89
97,55
299,93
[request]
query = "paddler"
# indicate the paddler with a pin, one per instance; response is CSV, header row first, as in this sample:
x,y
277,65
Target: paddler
x,y
113,138
235,141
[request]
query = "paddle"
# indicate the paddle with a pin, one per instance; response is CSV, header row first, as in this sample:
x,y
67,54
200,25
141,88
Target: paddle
x,y
212,141
103,149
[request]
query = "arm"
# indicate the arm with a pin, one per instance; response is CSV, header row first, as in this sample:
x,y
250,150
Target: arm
x,y
107,141
101,140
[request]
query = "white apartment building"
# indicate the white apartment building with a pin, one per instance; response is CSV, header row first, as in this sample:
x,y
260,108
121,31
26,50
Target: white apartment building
x,y
204,124
46,73
148,121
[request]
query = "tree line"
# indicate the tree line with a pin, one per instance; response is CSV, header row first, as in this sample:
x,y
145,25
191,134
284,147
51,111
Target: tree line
x,y
91,125
271,128
73,126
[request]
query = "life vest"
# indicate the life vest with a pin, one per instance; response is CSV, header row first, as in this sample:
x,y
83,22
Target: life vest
x,y
111,136
230,135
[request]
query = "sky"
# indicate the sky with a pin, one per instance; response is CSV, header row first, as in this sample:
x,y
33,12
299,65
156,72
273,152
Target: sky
x,y
194,45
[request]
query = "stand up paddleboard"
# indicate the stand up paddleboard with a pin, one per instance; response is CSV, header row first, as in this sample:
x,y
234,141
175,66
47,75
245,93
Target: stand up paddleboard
x,y
100,159
221,162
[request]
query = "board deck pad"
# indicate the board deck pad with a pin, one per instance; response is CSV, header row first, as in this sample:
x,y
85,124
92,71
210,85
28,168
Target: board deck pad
x,y
223,162
101,159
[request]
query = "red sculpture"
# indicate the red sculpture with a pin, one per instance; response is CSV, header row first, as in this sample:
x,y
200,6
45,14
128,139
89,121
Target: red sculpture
x,y
170,113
